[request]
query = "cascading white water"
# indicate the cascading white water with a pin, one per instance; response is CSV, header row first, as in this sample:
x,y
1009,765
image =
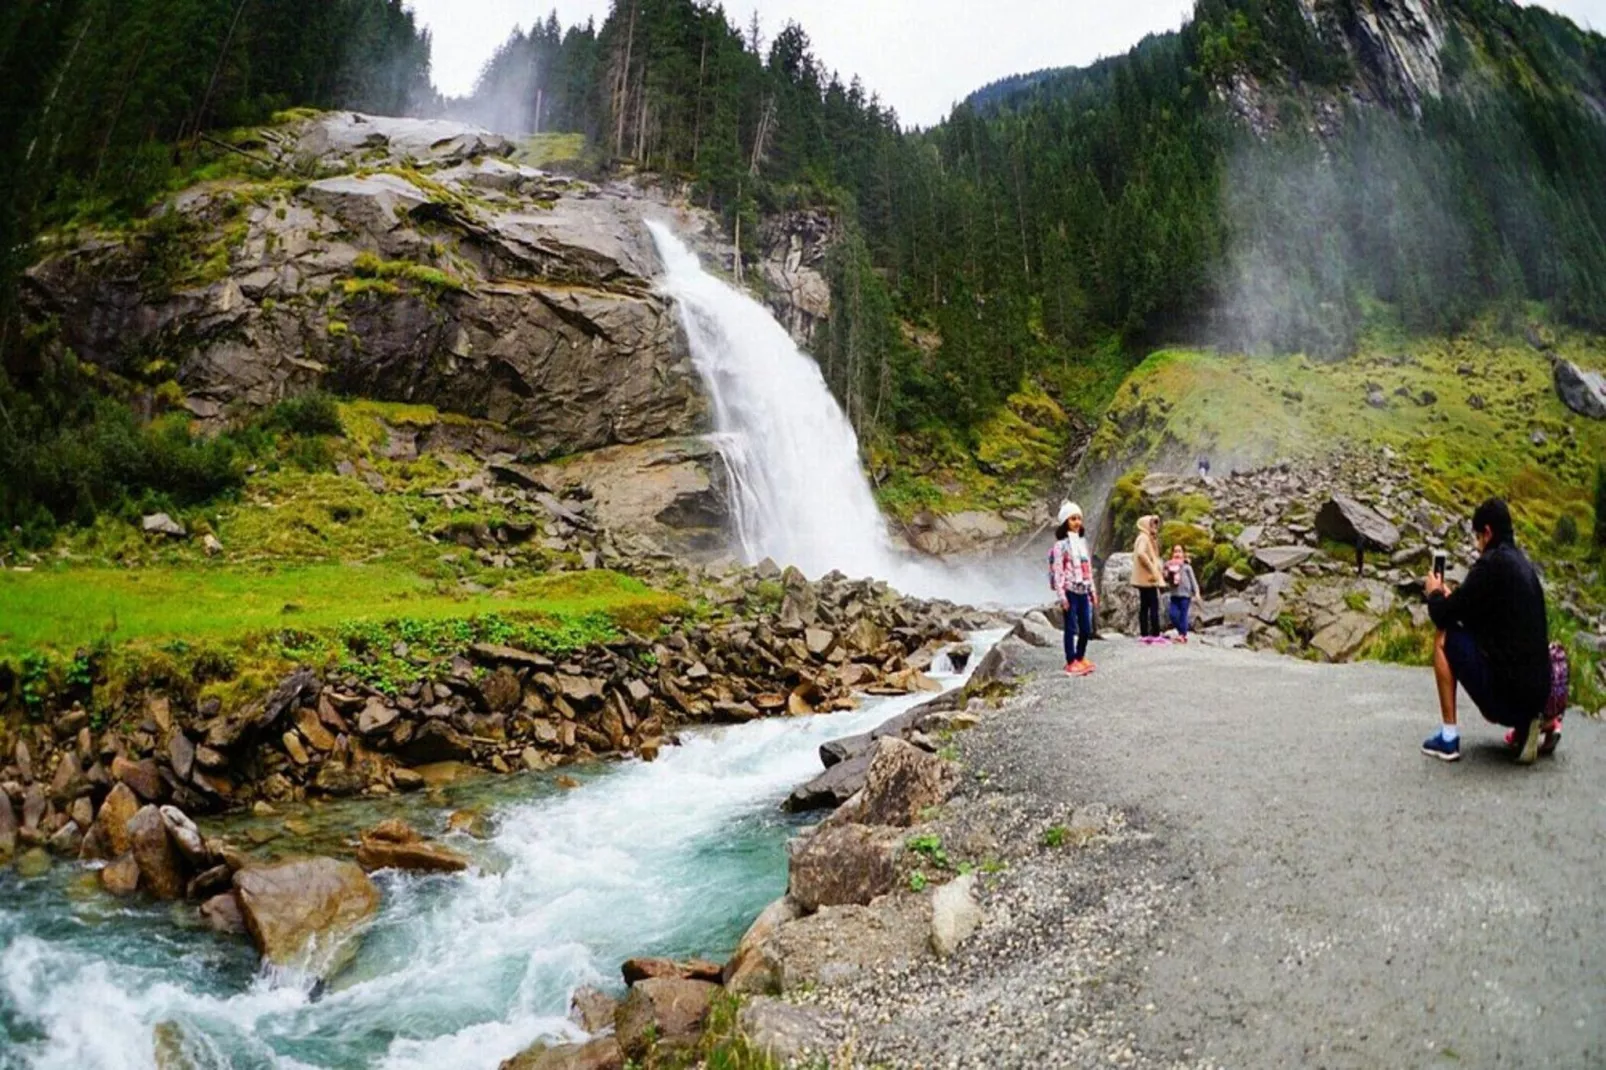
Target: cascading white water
x,y
799,495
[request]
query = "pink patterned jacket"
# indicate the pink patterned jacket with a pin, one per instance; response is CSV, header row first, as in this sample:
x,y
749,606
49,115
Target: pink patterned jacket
x,y
1070,567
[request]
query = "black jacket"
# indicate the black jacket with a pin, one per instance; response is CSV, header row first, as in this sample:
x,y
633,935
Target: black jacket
x,y
1502,606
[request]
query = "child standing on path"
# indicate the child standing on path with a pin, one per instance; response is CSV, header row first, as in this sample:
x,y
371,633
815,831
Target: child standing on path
x,y
1184,589
1070,574
1148,578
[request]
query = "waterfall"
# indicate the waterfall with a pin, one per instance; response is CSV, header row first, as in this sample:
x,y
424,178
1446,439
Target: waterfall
x,y
798,493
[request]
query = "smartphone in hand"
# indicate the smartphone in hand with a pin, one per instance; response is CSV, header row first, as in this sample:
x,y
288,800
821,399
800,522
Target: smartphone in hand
x,y
1440,560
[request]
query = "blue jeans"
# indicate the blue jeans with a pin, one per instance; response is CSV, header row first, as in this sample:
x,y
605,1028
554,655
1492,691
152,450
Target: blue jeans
x,y
1179,614
1471,671
1078,625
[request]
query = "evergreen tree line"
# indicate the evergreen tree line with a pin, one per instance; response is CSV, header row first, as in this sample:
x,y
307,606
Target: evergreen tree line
x,y
102,100
1055,212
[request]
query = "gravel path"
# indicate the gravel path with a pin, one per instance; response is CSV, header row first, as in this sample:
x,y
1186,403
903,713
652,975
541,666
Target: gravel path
x,y
1284,881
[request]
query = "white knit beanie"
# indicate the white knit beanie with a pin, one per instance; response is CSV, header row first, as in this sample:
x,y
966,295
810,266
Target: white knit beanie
x,y
1068,510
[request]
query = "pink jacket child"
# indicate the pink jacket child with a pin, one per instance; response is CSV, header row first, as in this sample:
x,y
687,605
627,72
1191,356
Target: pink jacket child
x,y
1070,574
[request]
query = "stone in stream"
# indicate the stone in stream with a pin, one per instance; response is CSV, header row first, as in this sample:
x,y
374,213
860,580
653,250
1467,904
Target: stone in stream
x,y
161,869
662,1015
395,845
120,877
1007,660
304,908
592,1009
142,776
8,828
603,1053
642,969
831,788
752,967
221,913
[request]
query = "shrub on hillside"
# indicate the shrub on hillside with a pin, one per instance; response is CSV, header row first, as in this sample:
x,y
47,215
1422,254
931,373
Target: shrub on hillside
x,y
310,414
1566,531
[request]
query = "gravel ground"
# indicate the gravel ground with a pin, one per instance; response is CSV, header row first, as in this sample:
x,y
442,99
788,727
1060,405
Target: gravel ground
x,y
1271,876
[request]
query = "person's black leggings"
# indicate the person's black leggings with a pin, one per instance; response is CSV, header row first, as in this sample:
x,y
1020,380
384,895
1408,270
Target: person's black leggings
x,y
1149,611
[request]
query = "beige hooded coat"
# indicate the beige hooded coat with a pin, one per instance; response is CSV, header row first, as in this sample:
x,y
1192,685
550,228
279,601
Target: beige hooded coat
x,y
1146,566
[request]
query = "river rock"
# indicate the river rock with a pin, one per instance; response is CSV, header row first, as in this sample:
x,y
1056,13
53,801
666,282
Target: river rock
x,y
1008,660
437,742
1582,391
1343,519
34,862
413,854
787,1033
1034,630
753,967
603,1053
592,1009
377,716
142,776
185,836
955,914
161,869
662,1014
121,876
222,914
831,788
181,755
66,841
642,969
306,913
8,828
845,863
901,784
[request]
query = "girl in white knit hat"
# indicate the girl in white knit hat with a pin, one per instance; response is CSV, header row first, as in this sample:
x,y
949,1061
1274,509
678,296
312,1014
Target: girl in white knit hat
x,y
1070,574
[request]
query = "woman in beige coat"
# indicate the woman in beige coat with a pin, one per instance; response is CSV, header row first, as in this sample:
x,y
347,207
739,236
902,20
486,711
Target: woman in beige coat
x,y
1148,577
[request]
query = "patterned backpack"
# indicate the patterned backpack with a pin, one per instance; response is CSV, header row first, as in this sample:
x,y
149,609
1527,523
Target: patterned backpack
x,y
1556,702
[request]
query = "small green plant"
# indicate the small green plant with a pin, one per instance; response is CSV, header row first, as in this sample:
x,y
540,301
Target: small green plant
x,y
1055,836
35,680
930,848
1565,533
918,881
1357,601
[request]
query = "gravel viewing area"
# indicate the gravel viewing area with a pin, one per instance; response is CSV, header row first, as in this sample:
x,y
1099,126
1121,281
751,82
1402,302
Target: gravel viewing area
x,y
1218,858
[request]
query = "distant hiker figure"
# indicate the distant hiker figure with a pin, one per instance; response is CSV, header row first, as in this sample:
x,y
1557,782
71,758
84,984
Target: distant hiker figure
x,y
1204,467
1493,641
1184,589
1070,574
1148,578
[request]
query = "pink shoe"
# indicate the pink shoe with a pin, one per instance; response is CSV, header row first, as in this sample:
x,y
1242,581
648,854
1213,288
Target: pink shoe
x,y
1547,744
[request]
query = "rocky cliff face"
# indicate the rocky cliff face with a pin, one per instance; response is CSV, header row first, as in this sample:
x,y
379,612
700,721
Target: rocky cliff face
x,y
403,260
796,289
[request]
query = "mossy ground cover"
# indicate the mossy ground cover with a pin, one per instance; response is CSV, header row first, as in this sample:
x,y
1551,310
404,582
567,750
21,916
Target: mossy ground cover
x,y
318,568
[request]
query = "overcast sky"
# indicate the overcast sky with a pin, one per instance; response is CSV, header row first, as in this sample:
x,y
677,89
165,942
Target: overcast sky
x,y
920,56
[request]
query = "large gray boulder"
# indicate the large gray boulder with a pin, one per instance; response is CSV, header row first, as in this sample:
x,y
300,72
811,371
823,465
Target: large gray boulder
x,y
901,784
1343,519
1118,599
1582,391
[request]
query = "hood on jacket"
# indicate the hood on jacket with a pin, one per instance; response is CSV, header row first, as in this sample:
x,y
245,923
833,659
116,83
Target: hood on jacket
x,y
1149,524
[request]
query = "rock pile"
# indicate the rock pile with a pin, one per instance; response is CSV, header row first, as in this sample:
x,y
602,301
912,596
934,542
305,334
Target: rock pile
x,y
495,707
